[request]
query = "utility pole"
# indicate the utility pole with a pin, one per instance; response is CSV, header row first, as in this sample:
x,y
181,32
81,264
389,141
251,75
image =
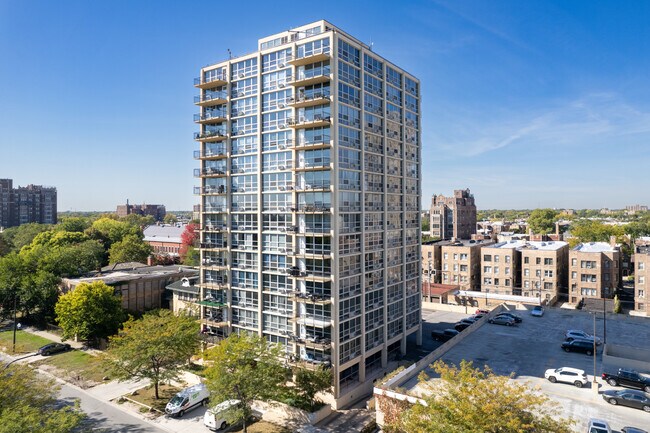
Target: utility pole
x,y
595,384
604,322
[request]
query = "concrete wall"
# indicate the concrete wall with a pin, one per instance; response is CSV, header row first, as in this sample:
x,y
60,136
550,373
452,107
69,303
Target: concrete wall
x,y
626,357
280,413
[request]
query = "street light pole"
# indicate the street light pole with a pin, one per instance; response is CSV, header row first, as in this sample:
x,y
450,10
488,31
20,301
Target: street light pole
x,y
595,384
15,324
604,322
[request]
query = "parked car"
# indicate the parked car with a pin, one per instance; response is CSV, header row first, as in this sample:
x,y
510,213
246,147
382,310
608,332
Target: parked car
x,y
477,317
628,397
570,375
52,348
461,326
628,379
482,311
468,320
628,429
444,335
598,426
516,317
583,346
214,419
188,399
502,320
537,311
572,334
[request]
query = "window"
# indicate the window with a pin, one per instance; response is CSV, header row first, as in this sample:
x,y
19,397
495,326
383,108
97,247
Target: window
x,y
275,60
526,260
538,260
641,266
487,258
244,68
349,95
348,53
349,74
574,262
315,47
548,261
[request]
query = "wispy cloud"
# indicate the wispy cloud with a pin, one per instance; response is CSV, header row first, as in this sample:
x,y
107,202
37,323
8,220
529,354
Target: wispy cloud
x,y
594,118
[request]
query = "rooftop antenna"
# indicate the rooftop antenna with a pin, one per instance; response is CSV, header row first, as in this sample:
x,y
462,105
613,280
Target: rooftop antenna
x,y
229,54
371,44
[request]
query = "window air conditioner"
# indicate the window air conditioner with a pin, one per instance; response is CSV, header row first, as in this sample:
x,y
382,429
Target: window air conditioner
x,y
281,65
283,126
282,167
242,75
280,105
281,85
282,146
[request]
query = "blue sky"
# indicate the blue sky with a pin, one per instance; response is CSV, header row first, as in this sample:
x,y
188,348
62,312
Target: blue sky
x,y
529,104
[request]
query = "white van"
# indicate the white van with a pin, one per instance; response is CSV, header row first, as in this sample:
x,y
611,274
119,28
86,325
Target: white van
x,y
214,418
188,399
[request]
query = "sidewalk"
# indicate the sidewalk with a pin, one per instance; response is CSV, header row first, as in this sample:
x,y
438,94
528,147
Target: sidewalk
x,y
56,338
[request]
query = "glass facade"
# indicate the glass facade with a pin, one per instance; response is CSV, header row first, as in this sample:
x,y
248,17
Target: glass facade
x,y
310,186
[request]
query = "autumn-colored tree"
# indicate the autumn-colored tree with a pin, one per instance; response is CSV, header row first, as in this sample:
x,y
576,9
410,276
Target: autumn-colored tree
x,y
467,400
189,239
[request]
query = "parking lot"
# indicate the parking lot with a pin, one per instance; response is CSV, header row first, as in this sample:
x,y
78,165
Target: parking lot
x,y
533,346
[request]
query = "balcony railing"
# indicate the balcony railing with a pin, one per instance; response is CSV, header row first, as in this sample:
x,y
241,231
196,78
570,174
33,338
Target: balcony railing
x,y
312,56
220,134
316,120
309,77
211,116
307,100
211,98
211,80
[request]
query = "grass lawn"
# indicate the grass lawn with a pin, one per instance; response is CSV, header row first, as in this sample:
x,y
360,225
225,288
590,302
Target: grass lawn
x,y
76,366
261,427
25,342
147,396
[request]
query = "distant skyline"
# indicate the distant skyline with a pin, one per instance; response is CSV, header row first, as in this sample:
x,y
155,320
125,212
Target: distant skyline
x,y
528,104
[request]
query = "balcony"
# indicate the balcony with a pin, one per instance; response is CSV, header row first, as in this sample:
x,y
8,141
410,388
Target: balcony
x,y
315,208
211,172
216,209
219,262
211,116
211,154
313,56
244,265
209,99
315,321
213,227
211,136
211,81
214,245
317,142
314,186
243,208
314,76
309,298
302,101
210,190
309,122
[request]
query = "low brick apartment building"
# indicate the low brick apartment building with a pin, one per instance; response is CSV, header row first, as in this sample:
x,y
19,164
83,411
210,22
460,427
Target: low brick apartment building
x,y
641,275
501,267
460,263
544,269
594,271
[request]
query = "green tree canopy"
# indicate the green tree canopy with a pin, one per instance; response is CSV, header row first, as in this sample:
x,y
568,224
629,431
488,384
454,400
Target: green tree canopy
x,y
170,218
245,368
153,347
28,404
542,221
110,231
468,400
594,231
74,224
308,383
130,249
140,221
24,234
90,311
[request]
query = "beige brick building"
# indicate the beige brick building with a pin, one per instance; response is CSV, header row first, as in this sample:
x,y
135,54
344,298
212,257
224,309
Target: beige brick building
x,y
453,217
544,269
431,261
501,268
594,271
641,278
460,263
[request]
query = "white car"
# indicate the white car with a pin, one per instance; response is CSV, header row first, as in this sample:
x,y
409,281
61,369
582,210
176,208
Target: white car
x,y
188,399
575,334
570,375
598,426
537,311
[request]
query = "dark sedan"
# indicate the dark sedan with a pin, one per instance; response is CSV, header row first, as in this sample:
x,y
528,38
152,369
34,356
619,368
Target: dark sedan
x,y
51,349
516,317
583,346
502,320
628,397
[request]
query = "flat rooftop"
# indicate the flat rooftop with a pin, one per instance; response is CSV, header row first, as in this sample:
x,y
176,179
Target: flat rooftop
x,y
596,247
143,272
508,245
544,245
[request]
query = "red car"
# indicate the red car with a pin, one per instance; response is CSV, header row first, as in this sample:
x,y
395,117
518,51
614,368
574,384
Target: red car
x,y
481,311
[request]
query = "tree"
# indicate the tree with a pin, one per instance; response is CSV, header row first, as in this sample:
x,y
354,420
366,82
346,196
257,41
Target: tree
x,y
425,223
246,368
467,400
153,347
110,231
73,224
139,221
192,258
189,239
170,218
130,249
90,311
28,404
5,246
542,221
24,234
310,382
617,305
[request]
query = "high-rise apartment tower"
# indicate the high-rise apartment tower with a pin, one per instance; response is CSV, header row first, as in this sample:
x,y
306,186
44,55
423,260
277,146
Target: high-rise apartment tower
x,y
310,193
453,217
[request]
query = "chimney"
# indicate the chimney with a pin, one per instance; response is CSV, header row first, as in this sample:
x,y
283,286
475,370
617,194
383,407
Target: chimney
x,y
612,241
150,261
557,229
